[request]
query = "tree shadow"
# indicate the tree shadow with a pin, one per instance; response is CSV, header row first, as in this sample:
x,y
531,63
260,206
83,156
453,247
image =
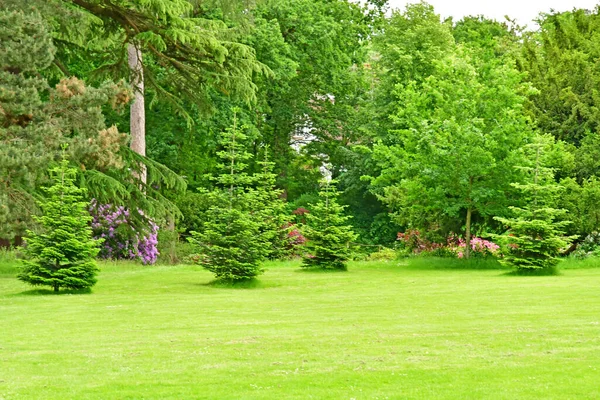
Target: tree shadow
x,y
438,263
319,270
49,292
251,283
534,272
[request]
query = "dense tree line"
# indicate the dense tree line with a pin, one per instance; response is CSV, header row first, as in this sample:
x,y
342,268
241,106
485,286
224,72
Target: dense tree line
x,y
424,123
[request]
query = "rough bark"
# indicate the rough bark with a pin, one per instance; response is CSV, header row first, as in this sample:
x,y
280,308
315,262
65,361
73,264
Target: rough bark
x,y
138,112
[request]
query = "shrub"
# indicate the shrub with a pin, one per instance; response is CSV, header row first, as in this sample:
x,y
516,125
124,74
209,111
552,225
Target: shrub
x,y
479,247
121,240
64,254
383,254
590,246
413,242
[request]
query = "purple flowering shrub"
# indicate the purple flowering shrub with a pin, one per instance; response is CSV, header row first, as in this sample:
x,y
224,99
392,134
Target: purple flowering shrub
x,y
121,240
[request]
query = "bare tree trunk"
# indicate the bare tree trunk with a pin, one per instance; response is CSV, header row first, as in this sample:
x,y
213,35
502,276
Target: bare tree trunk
x,y
138,112
468,234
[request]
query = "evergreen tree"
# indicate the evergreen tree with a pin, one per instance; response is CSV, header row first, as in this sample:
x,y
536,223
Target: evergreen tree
x,y
328,236
535,236
233,243
64,254
36,118
271,209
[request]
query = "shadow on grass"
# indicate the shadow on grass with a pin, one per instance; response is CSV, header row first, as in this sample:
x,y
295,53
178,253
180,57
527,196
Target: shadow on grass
x,y
534,272
318,270
49,292
435,263
236,284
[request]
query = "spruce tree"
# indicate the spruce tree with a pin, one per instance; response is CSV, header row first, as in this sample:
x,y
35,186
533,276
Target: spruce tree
x,y
272,210
328,236
535,233
63,255
232,243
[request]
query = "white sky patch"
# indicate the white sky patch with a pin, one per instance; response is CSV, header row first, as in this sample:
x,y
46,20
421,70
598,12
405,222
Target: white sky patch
x,y
524,11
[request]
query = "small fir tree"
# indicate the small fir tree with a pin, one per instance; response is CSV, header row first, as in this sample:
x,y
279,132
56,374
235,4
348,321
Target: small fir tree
x,y
232,243
272,209
64,254
535,235
328,236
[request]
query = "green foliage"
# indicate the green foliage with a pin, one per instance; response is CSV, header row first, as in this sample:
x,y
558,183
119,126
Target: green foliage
x,y
561,61
35,119
233,242
185,48
411,44
272,210
383,254
63,255
581,201
535,235
456,136
328,236
588,247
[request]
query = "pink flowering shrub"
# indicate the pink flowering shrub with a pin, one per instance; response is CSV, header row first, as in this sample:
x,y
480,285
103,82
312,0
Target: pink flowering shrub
x,y
412,241
121,240
479,247
294,239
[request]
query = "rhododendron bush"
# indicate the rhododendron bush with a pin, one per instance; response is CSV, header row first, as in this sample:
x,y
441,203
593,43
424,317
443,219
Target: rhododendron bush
x,y
121,240
479,247
414,242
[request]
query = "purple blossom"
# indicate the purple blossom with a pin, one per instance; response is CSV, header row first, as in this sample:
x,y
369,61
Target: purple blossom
x,y
121,241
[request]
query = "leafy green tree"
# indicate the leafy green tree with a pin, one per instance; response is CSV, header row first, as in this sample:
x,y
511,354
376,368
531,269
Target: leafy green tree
x,y
456,137
411,44
63,255
233,242
327,233
581,201
320,49
406,47
535,233
493,38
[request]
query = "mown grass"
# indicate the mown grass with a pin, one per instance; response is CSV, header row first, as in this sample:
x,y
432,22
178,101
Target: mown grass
x,y
411,329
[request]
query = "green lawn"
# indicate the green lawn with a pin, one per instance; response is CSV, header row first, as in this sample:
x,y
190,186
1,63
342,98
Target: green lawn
x,y
379,331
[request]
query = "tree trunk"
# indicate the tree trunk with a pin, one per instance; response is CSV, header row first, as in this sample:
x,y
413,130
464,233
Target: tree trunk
x,y
468,234
138,113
